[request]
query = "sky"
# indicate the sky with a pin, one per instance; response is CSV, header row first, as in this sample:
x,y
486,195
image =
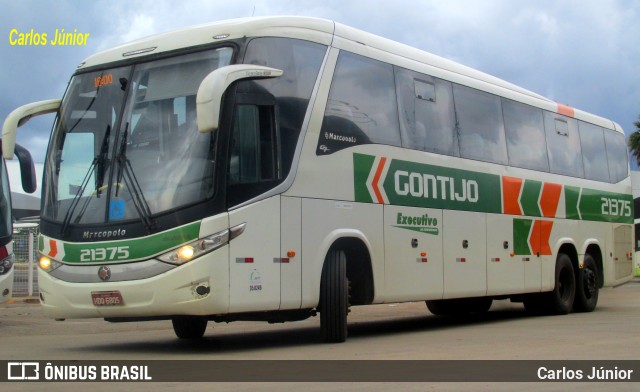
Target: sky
x,y
584,53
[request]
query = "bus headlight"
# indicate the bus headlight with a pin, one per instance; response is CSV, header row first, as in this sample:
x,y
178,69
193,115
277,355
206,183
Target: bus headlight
x,y
47,264
195,249
5,265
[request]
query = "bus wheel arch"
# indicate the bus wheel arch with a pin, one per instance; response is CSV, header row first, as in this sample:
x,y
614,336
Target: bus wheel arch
x,y
359,263
359,269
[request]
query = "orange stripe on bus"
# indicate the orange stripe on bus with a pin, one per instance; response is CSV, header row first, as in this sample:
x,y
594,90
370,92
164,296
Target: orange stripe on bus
x,y
376,180
54,248
549,199
510,194
566,110
540,234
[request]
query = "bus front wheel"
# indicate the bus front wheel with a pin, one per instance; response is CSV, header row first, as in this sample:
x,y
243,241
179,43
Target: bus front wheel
x,y
189,327
334,297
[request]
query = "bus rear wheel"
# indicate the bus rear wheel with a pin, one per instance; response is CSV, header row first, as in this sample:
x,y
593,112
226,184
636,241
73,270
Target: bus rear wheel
x,y
587,286
560,300
189,327
334,297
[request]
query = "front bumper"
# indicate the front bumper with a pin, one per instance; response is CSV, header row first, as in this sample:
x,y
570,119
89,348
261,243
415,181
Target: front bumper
x,y
174,292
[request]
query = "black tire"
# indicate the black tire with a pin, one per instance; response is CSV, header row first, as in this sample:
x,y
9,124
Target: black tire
x,y
441,307
334,298
560,300
189,327
587,286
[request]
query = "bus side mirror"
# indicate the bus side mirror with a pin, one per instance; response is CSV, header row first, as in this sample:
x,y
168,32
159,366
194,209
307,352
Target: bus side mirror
x,y
27,168
214,85
19,117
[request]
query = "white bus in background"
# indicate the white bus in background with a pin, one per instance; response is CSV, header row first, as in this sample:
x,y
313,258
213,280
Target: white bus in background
x,y
28,177
635,182
276,168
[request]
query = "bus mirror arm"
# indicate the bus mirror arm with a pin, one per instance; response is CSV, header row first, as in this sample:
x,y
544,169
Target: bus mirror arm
x,y
19,117
214,85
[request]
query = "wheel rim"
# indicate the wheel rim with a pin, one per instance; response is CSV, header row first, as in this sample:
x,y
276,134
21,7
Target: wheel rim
x,y
589,282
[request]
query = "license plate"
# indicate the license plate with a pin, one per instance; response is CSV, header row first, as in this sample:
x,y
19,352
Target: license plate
x,y
107,298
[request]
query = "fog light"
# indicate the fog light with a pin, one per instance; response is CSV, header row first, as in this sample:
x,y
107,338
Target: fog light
x,y
186,252
45,263
48,264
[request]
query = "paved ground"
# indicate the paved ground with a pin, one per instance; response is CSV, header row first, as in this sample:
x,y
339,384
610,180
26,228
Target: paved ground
x,y
390,332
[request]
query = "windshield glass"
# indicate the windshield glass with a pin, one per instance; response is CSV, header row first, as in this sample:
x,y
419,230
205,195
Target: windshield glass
x,y
79,155
104,166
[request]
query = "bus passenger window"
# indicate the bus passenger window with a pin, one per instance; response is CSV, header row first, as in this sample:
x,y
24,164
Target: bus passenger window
x,y
563,145
617,155
526,141
361,108
427,115
594,154
480,125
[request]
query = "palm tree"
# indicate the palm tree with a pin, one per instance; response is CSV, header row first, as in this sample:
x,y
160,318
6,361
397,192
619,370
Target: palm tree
x,y
634,142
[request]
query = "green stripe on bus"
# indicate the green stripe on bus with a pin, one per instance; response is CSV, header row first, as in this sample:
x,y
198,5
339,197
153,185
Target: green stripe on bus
x,y
530,196
571,197
422,185
138,248
362,165
521,230
606,206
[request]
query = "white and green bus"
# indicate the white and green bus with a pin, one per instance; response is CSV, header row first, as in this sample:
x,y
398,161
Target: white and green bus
x,y
28,178
276,168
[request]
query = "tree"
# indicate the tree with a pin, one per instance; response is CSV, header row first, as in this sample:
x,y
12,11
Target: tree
x,y
634,142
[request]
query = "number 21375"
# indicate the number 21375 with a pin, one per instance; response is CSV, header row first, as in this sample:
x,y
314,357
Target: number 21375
x,y
615,207
103,254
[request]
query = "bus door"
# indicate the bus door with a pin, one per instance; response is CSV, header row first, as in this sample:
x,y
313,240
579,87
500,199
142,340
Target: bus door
x,y
254,168
254,272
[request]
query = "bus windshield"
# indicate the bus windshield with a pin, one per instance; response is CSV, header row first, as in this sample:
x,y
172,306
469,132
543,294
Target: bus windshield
x,y
127,146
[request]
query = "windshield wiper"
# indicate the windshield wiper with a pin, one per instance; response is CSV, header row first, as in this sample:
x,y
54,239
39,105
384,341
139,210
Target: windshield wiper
x,y
102,161
126,171
97,165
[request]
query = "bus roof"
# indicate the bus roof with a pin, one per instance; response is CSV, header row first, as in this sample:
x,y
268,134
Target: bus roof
x,y
328,32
